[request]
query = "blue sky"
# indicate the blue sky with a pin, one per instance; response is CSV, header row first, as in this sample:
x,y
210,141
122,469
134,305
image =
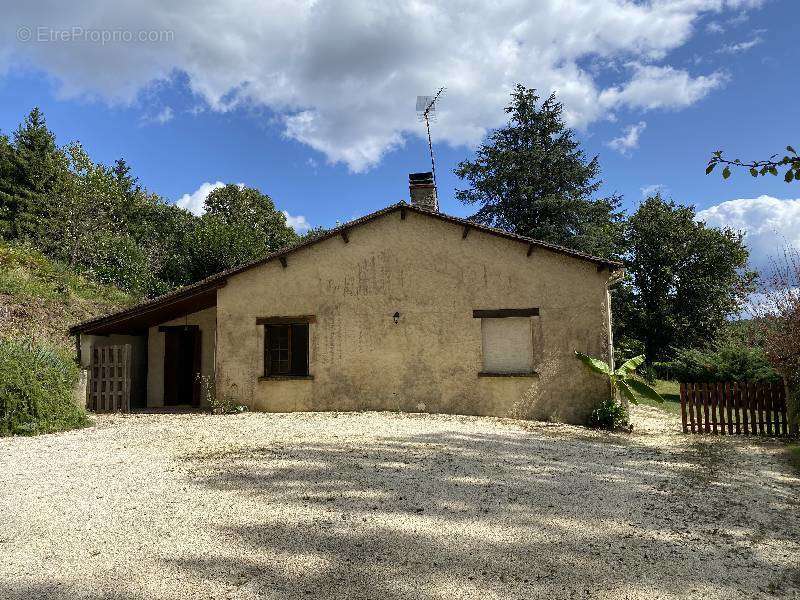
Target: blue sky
x,y
325,123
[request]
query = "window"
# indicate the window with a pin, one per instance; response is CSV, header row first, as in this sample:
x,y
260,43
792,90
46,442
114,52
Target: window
x,y
286,349
507,341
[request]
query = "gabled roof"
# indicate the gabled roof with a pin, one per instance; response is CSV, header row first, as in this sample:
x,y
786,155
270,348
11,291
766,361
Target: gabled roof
x,y
202,294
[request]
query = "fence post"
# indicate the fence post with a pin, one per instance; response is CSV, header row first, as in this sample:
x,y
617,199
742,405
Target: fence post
x,y
753,399
712,405
704,399
721,406
683,408
769,406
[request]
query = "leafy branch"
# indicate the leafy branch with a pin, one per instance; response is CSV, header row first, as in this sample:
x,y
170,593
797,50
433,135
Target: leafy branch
x,y
758,168
624,378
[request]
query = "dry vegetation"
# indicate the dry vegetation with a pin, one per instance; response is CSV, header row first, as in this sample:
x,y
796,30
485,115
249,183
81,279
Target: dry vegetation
x,y
40,299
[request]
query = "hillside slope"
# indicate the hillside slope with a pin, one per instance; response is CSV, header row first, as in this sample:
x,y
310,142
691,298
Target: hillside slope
x,y
40,299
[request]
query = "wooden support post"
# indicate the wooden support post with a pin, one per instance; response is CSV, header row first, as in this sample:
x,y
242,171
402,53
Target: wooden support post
x,y
530,249
683,408
402,213
283,261
466,232
344,236
712,405
729,406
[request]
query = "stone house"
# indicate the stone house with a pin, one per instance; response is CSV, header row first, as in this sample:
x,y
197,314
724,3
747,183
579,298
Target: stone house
x,y
404,309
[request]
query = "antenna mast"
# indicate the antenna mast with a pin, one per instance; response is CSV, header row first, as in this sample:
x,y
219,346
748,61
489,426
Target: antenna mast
x,y
426,107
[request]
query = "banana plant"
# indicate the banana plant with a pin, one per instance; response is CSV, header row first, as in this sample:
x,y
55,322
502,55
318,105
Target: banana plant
x,y
622,379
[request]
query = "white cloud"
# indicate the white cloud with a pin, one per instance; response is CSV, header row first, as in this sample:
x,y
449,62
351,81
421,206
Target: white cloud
x,y
741,46
652,190
194,202
769,225
342,76
715,27
299,223
163,116
654,87
629,140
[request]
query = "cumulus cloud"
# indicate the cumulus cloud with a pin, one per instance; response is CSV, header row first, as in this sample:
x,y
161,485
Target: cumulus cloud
x,y
769,224
299,223
629,140
651,190
195,202
654,87
342,77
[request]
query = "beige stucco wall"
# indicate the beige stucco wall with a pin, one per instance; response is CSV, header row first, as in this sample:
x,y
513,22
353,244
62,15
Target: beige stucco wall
x,y
423,269
206,320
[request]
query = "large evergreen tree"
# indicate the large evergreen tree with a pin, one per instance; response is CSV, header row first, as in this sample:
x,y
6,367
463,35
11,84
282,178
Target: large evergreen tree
x,y
531,177
683,280
30,169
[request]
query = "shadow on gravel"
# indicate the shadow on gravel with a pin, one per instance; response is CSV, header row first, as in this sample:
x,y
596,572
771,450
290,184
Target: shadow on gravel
x,y
520,515
55,589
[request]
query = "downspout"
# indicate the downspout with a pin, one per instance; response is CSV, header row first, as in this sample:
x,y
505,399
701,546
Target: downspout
x,y
615,278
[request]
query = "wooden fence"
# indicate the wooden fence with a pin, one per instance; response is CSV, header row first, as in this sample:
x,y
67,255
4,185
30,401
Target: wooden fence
x,y
110,379
734,408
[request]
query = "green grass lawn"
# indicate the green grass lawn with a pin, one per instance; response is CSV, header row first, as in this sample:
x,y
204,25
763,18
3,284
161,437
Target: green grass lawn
x,y
670,391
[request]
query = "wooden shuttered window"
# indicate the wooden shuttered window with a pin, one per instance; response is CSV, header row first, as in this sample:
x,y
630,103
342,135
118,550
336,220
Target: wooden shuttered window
x,y
286,349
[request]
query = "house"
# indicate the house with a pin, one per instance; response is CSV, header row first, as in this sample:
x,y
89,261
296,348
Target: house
x,y
403,309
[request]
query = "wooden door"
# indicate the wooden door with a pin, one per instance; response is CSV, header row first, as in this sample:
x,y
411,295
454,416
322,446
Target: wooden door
x,y
182,364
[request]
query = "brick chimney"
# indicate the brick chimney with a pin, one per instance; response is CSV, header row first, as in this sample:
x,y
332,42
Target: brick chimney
x,y
423,191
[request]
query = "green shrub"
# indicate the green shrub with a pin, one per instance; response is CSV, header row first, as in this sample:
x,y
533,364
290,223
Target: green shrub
x,y
609,414
36,389
727,361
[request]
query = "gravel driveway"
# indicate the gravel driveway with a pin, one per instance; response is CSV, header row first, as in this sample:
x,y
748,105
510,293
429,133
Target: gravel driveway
x,y
387,506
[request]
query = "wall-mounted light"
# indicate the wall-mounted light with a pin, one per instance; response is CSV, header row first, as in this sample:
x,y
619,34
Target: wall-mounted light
x,y
396,318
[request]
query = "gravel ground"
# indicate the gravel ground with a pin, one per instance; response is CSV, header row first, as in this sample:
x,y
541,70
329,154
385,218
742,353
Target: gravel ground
x,y
389,506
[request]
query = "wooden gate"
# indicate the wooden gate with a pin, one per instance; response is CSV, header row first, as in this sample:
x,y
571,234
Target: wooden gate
x,y
110,379
734,408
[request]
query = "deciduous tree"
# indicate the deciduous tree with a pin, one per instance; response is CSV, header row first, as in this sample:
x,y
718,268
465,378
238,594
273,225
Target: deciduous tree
x,y
683,280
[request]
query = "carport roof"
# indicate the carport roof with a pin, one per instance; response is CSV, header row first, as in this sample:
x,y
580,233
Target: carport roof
x,y
203,294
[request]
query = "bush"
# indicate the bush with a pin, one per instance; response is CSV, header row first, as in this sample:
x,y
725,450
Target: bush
x,y
609,414
728,361
36,389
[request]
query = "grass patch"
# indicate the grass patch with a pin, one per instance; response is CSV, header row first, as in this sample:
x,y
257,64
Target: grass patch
x,y
26,273
36,389
670,391
40,298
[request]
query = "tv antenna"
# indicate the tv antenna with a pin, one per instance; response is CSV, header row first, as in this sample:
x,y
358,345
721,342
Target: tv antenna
x,y
426,111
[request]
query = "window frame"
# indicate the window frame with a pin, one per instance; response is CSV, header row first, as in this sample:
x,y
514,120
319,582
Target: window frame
x,y
269,322
502,313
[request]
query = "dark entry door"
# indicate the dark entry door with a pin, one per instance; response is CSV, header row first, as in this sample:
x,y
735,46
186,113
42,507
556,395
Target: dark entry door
x,y
181,366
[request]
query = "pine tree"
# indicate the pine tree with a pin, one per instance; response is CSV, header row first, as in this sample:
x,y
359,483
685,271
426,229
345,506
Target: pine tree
x,y
28,175
531,177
